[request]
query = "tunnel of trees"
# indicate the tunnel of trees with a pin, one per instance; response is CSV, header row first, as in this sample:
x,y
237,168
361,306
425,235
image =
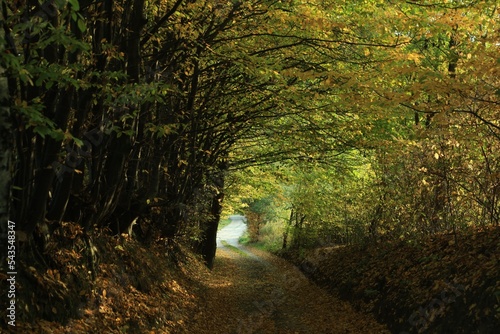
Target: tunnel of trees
x,y
368,120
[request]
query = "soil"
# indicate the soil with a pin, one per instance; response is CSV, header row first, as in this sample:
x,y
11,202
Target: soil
x,y
250,291
445,283
448,284
141,289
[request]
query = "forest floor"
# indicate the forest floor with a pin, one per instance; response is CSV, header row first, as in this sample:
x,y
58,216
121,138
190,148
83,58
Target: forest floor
x,y
147,290
444,283
448,284
250,291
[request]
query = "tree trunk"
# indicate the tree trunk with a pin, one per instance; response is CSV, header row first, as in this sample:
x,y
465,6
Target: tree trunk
x,y
45,175
287,230
209,242
208,245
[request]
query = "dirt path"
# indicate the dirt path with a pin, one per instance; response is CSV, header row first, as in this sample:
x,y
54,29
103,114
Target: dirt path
x,y
250,291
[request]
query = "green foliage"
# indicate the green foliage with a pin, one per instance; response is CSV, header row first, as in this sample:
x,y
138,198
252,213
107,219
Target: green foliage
x,y
392,142
380,120
223,223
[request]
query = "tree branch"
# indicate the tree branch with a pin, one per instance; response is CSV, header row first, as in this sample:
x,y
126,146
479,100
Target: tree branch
x,y
160,23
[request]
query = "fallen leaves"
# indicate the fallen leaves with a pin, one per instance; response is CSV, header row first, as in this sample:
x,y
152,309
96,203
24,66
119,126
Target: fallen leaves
x,y
459,273
136,290
260,293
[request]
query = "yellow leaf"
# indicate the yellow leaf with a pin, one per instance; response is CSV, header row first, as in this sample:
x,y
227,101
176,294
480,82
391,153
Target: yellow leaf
x,y
415,57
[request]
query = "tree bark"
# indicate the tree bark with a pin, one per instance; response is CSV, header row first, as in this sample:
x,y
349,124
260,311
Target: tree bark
x,y
209,238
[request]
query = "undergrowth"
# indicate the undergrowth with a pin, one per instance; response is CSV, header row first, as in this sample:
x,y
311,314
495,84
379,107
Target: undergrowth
x,y
445,284
132,287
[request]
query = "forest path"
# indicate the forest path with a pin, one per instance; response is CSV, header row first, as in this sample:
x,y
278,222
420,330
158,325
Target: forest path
x,y
232,232
250,291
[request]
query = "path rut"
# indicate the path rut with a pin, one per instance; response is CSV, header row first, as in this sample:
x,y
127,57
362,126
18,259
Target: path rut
x,y
250,291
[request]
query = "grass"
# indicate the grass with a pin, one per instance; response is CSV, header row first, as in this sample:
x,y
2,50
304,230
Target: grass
x,y
264,245
223,223
245,238
233,248
270,237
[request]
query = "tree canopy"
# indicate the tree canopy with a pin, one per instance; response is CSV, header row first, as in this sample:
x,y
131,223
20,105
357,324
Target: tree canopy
x,y
369,119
